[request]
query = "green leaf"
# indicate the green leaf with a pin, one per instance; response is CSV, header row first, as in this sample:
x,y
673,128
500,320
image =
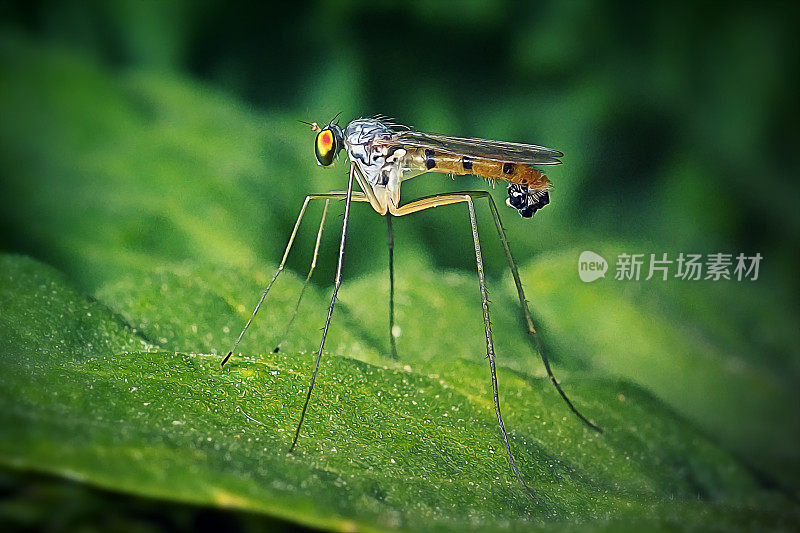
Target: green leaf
x,y
383,446
720,377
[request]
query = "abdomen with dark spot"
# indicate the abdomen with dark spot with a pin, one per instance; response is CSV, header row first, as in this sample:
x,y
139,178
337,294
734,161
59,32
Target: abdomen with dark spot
x,y
434,161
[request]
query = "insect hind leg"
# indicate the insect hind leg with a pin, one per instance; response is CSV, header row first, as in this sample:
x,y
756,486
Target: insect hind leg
x,y
447,199
490,344
526,313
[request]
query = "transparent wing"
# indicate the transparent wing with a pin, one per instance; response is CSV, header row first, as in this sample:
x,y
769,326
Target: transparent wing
x,y
526,154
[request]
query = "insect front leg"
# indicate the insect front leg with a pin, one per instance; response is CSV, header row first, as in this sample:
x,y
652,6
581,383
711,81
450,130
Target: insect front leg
x,y
337,284
308,278
358,197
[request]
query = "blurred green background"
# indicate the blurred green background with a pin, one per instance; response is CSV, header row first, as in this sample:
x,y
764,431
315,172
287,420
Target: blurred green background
x,y
140,132
678,123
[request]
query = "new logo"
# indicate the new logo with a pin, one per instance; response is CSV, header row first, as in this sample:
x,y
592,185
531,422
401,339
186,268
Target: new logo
x,y
591,266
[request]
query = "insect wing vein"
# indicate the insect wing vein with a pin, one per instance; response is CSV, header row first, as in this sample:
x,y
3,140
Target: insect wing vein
x,y
500,151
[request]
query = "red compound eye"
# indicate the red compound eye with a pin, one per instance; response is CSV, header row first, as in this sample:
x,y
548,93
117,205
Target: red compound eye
x,y
325,141
325,147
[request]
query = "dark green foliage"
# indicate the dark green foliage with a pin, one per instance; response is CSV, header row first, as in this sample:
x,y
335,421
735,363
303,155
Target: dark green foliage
x,y
156,208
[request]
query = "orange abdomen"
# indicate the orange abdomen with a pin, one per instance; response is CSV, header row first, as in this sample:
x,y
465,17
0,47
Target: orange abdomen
x,y
517,173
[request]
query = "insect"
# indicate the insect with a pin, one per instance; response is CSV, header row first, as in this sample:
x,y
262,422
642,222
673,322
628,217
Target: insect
x,y
382,155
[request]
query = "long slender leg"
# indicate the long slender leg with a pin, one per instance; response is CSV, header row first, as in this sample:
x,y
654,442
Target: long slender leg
x,y
308,278
390,242
446,199
336,286
490,343
526,313
360,197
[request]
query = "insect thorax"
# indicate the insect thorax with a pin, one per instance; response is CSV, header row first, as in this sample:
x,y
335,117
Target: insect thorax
x,y
376,162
